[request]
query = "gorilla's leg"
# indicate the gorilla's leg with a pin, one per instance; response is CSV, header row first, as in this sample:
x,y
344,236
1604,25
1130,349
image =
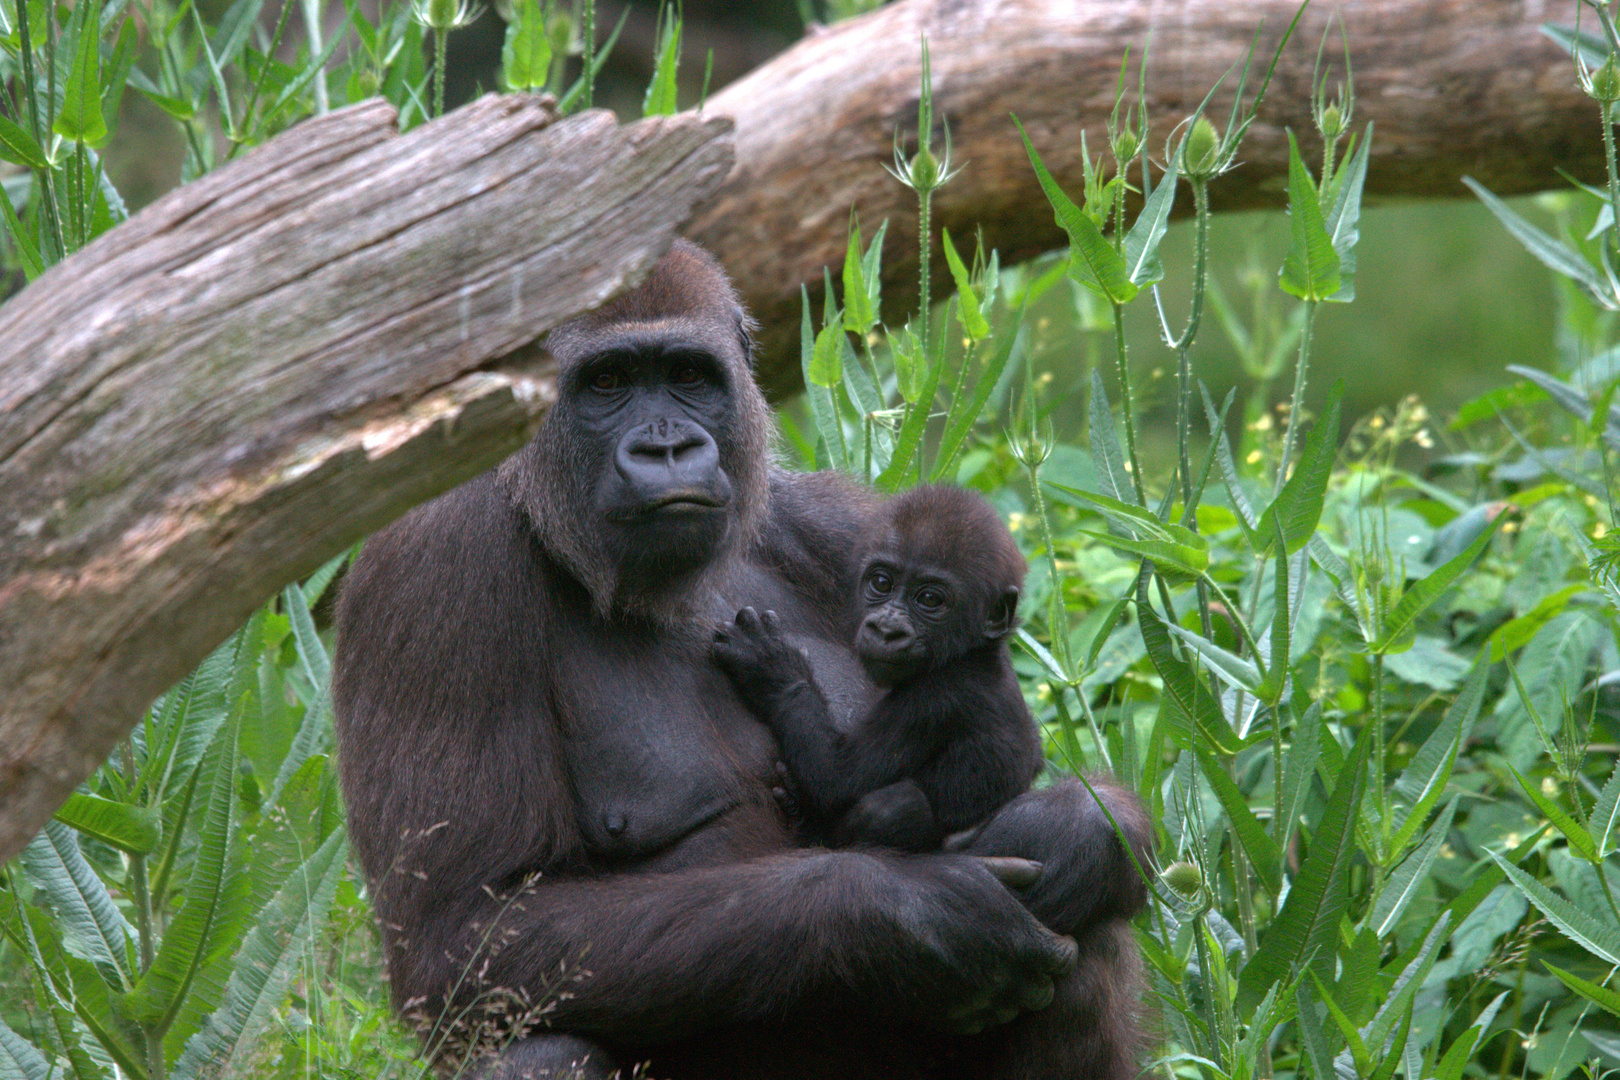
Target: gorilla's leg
x,y
547,1057
1092,1029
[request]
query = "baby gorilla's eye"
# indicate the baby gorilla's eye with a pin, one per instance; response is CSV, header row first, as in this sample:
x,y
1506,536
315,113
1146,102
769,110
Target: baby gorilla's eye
x,y
880,582
606,380
930,598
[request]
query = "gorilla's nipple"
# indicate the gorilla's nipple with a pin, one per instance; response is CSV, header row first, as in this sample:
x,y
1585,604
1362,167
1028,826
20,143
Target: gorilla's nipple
x,y
614,822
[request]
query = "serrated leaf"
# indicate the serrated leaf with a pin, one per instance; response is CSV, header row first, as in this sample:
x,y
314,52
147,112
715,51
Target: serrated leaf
x,y
1236,671
526,53
1179,563
1426,775
1106,456
92,926
1573,831
80,117
1345,215
190,936
1093,262
1596,938
1606,813
1404,883
21,1059
1193,712
1601,996
1310,271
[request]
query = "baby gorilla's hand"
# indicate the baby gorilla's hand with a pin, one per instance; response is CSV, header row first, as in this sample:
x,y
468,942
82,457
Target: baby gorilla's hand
x,y
757,657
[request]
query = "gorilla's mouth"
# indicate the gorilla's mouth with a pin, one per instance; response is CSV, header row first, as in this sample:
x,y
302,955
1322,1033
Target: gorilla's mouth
x,y
678,501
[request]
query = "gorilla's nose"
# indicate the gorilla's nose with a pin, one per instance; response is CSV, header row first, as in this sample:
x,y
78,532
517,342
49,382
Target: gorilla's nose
x,y
662,455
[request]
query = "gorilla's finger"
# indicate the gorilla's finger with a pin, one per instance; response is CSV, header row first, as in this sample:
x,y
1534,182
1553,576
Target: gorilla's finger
x,y
961,841
1011,872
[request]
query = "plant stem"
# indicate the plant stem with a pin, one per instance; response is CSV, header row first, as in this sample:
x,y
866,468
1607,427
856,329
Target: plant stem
x,y
1614,179
1297,402
1125,402
440,36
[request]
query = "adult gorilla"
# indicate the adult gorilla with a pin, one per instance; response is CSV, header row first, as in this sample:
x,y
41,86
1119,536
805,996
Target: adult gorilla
x,y
567,818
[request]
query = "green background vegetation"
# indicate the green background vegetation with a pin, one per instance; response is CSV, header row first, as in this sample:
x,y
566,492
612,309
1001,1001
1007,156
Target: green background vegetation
x,y
1359,673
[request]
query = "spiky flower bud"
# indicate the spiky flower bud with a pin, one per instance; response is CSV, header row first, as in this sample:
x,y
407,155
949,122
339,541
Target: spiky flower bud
x,y
1604,83
1201,156
1330,121
1184,877
924,170
1125,144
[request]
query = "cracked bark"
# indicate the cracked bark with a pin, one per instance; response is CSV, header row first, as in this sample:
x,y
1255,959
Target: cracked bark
x,y
1452,87
269,363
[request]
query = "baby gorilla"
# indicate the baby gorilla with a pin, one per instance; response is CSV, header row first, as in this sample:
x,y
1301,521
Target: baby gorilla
x,y
950,740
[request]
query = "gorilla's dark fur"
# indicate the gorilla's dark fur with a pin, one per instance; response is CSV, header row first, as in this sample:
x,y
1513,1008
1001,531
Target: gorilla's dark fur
x,y
565,813
950,740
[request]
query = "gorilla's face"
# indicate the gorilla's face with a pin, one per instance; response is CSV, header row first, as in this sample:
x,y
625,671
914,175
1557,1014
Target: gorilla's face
x,y
654,407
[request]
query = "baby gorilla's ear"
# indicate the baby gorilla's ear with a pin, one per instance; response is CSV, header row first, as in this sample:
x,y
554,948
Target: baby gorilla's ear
x,y
1003,614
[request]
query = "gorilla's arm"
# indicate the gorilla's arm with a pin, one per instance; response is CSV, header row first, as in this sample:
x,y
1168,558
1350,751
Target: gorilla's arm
x,y
1086,876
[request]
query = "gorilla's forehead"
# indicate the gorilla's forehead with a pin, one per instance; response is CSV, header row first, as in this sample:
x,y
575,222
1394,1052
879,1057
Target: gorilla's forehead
x,y
579,341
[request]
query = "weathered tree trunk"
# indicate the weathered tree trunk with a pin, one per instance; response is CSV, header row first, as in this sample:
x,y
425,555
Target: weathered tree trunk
x,y
269,363
1453,87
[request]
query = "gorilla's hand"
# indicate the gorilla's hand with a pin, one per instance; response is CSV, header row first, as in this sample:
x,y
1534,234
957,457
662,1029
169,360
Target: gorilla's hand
x,y
987,960
1086,875
897,816
762,665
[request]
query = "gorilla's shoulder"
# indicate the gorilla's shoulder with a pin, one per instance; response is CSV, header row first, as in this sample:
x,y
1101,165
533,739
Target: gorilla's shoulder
x,y
815,524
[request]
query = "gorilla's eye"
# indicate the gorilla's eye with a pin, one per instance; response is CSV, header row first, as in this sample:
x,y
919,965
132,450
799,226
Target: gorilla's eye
x,y
879,582
686,374
930,598
606,380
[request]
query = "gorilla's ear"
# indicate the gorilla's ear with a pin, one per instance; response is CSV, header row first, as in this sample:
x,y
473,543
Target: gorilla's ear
x,y
1003,614
745,337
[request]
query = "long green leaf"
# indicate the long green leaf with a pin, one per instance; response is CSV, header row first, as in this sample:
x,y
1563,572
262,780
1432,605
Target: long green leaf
x,y
1605,814
1241,673
1093,262
1425,777
191,936
265,965
133,829
526,53
1602,941
1573,831
1298,507
1410,876
1601,996
823,406
1195,716
92,926
973,320
1178,562
18,147
21,1059
1262,851
1306,929
1554,254
1142,263
660,98
1106,456
1415,601
1310,271
1298,767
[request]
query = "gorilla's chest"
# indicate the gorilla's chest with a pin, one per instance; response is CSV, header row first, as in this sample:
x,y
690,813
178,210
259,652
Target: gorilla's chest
x,y
665,762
